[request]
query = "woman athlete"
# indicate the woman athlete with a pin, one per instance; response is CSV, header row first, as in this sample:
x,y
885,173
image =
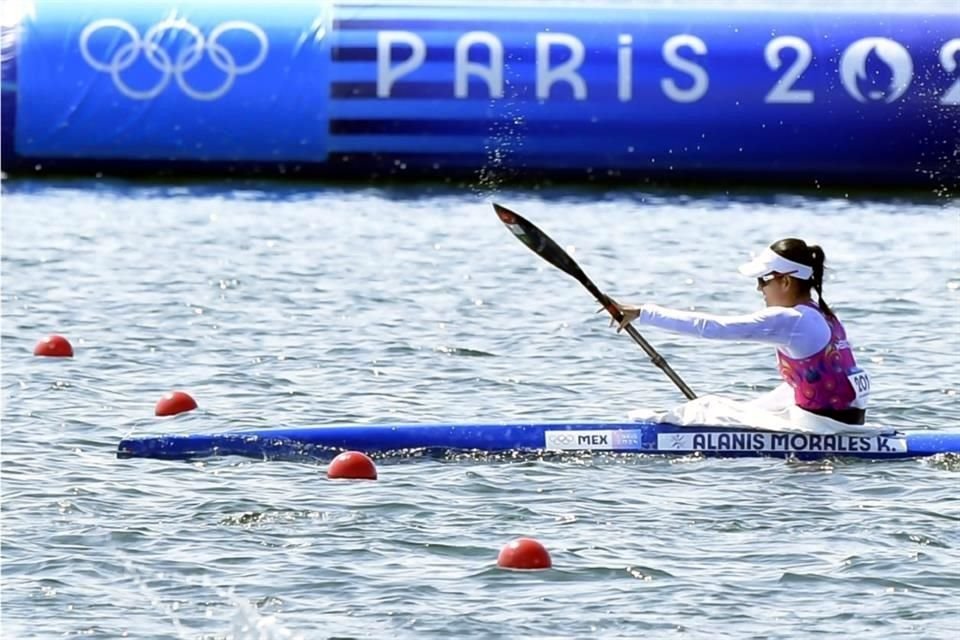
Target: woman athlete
x,y
814,357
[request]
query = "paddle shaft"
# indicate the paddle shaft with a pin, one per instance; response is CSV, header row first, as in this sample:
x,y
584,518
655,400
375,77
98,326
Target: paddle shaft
x,y
653,354
541,244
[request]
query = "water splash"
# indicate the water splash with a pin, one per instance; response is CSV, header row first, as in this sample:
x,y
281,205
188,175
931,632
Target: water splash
x,y
246,623
504,141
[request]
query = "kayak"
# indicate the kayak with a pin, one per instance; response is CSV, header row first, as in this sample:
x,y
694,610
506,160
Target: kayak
x,y
618,437
642,437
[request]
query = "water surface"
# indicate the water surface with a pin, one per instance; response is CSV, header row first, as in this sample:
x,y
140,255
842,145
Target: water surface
x,y
297,305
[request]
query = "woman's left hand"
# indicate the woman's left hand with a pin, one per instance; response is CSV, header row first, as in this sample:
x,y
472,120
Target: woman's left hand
x,y
629,313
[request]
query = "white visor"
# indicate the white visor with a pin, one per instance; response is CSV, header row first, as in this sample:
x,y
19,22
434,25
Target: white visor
x,y
770,261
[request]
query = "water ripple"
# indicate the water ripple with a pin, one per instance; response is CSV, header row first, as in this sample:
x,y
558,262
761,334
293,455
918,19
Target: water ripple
x,y
299,319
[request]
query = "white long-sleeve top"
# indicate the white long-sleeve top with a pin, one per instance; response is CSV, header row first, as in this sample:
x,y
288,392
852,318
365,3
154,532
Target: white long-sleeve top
x,y
799,331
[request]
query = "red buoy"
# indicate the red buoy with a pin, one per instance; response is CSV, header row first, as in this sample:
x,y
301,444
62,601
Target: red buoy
x,y
524,553
174,402
54,347
352,465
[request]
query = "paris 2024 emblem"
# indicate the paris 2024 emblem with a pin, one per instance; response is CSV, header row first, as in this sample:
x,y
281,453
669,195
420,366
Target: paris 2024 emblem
x,y
875,69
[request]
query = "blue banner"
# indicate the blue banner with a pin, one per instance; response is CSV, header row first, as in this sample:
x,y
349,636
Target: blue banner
x,y
167,81
601,88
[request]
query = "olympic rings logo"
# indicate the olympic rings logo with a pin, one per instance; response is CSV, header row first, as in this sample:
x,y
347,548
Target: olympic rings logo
x,y
187,57
560,439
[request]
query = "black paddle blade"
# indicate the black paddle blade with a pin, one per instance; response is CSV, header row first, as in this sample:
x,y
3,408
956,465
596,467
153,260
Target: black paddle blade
x,y
541,244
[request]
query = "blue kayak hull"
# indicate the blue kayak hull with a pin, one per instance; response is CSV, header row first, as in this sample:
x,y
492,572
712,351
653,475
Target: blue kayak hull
x,y
626,437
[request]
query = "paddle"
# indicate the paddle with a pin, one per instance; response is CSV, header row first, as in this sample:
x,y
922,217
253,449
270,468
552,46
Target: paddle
x,y
546,248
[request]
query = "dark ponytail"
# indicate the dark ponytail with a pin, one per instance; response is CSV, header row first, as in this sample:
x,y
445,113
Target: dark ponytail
x,y
817,258
812,256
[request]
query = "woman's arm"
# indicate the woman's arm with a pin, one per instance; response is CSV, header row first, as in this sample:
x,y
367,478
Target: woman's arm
x,y
773,325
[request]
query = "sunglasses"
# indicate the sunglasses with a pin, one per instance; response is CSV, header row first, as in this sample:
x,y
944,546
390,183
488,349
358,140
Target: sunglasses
x,y
763,281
